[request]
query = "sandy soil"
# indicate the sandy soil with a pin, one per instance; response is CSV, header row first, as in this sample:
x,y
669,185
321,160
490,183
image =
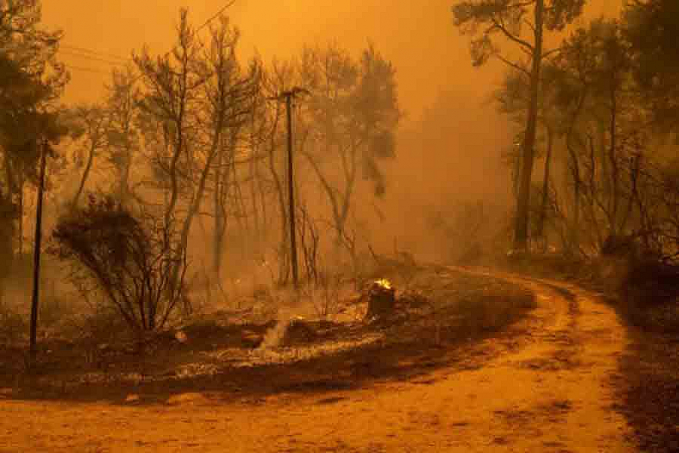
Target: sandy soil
x,y
554,393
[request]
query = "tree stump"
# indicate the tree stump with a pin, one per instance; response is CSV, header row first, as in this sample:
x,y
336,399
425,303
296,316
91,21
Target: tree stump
x,y
381,300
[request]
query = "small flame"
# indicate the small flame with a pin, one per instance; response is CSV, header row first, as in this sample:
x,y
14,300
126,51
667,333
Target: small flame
x,y
384,283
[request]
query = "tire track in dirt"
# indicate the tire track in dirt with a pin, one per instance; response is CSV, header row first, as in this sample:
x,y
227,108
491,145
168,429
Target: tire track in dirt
x,y
571,368
553,394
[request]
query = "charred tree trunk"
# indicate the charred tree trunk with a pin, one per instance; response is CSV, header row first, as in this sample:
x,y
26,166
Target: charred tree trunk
x,y
523,204
195,206
22,183
7,226
36,258
615,171
83,179
223,182
574,170
254,202
545,189
124,182
220,217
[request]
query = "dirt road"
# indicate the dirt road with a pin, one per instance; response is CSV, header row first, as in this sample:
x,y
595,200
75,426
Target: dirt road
x,y
553,394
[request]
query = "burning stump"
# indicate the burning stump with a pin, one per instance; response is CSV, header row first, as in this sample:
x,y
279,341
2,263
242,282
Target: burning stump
x,y
381,300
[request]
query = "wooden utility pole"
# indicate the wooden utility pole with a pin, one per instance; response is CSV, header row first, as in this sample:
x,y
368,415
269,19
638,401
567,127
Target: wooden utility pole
x,y
289,96
36,256
291,184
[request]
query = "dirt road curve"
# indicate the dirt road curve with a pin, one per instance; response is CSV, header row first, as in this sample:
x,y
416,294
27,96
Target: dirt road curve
x,y
554,394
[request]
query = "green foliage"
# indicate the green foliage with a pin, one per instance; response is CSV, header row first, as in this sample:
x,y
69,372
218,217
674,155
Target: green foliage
x,y
651,28
481,49
355,105
123,134
509,19
31,80
560,13
377,113
591,72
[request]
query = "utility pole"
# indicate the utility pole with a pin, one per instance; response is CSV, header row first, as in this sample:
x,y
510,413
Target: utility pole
x,y
288,96
36,256
291,196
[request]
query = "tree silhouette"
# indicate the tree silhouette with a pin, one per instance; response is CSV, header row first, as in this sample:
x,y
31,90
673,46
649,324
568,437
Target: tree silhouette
x,y
487,19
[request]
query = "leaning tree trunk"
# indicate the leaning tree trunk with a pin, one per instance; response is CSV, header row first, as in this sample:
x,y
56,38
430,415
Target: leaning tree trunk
x,y
83,179
124,182
193,210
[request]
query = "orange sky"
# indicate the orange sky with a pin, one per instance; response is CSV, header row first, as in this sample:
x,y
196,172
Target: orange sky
x,y
418,36
456,156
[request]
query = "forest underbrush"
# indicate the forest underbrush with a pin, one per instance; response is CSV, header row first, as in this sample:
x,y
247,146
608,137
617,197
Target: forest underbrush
x,y
269,342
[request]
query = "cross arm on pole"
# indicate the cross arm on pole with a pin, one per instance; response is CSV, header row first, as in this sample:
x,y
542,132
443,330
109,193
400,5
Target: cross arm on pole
x,y
291,93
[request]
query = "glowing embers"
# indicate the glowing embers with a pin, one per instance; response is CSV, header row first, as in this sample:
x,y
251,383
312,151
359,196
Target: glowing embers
x,y
381,299
383,283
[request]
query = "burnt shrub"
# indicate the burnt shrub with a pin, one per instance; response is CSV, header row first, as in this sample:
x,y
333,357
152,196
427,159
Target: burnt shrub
x,y
648,288
130,258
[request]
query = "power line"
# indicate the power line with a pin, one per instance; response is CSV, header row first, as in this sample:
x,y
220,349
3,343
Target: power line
x,y
81,68
94,52
215,16
205,24
97,55
104,57
92,58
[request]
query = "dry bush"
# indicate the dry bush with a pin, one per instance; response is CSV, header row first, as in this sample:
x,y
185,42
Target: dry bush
x,y
324,293
129,258
648,288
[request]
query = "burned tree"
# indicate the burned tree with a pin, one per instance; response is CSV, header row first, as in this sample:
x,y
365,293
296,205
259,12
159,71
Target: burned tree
x,y
193,101
89,123
122,132
126,257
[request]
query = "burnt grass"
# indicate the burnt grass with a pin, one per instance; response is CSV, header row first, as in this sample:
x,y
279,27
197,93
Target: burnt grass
x,y
438,322
647,302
